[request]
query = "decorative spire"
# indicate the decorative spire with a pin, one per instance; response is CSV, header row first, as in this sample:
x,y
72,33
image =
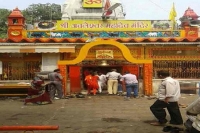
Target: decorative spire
x,y
16,13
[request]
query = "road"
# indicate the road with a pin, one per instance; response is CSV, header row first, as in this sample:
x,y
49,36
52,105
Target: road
x,y
92,114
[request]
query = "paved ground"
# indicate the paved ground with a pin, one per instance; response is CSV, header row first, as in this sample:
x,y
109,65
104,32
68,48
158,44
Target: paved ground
x,y
93,114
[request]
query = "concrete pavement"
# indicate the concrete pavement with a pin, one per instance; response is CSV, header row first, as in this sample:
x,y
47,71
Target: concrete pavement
x,y
92,114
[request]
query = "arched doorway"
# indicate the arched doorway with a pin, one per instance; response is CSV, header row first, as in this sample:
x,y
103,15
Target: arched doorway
x,y
74,70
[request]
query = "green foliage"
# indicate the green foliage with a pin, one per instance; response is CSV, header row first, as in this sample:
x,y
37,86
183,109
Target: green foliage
x,y
4,13
40,12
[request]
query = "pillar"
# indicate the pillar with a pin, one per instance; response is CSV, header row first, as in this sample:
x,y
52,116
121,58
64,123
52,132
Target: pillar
x,y
63,72
147,74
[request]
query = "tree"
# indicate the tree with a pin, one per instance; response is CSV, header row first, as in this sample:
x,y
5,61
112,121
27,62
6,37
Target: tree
x,y
40,12
4,13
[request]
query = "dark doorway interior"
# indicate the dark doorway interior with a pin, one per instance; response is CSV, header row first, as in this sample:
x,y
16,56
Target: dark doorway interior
x,y
102,69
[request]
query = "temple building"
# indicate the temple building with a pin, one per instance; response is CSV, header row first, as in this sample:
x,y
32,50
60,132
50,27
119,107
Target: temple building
x,y
94,35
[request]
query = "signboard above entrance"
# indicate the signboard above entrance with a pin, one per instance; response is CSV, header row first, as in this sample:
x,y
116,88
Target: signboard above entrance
x,y
104,54
92,3
113,25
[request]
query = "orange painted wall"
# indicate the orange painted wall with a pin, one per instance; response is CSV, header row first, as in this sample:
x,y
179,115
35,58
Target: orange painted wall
x,y
75,79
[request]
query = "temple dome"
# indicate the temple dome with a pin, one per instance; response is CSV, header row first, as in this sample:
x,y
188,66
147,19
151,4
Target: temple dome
x,y
190,14
16,13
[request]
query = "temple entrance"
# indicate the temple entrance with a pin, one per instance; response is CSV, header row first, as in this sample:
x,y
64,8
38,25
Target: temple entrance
x,y
77,74
132,64
102,69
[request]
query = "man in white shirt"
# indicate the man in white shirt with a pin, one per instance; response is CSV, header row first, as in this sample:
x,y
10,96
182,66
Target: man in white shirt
x,y
101,81
168,96
113,77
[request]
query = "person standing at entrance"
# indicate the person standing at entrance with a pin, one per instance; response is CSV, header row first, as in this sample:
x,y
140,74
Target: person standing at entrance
x,y
95,85
85,73
120,87
91,81
56,84
113,77
131,84
88,82
168,97
101,81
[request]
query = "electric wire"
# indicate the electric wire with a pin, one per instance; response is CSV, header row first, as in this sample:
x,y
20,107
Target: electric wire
x,y
158,6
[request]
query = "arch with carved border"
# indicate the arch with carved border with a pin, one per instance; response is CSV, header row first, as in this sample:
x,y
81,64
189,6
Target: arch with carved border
x,y
126,54
84,51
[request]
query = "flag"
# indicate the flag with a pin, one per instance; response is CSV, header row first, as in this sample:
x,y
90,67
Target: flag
x,y
106,7
172,14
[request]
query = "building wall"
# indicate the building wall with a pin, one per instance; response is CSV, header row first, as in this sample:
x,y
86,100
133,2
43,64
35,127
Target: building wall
x,y
49,61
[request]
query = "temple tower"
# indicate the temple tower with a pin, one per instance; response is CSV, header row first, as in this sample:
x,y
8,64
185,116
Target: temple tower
x,y
189,18
16,24
190,23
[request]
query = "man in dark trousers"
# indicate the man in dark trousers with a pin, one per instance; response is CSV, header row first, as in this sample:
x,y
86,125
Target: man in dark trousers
x,y
168,97
56,84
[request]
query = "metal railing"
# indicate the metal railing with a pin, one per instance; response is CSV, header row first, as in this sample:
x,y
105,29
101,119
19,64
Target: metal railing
x,y
19,70
179,68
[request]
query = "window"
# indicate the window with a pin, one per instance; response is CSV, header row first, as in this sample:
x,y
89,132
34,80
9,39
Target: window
x,y
15,21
